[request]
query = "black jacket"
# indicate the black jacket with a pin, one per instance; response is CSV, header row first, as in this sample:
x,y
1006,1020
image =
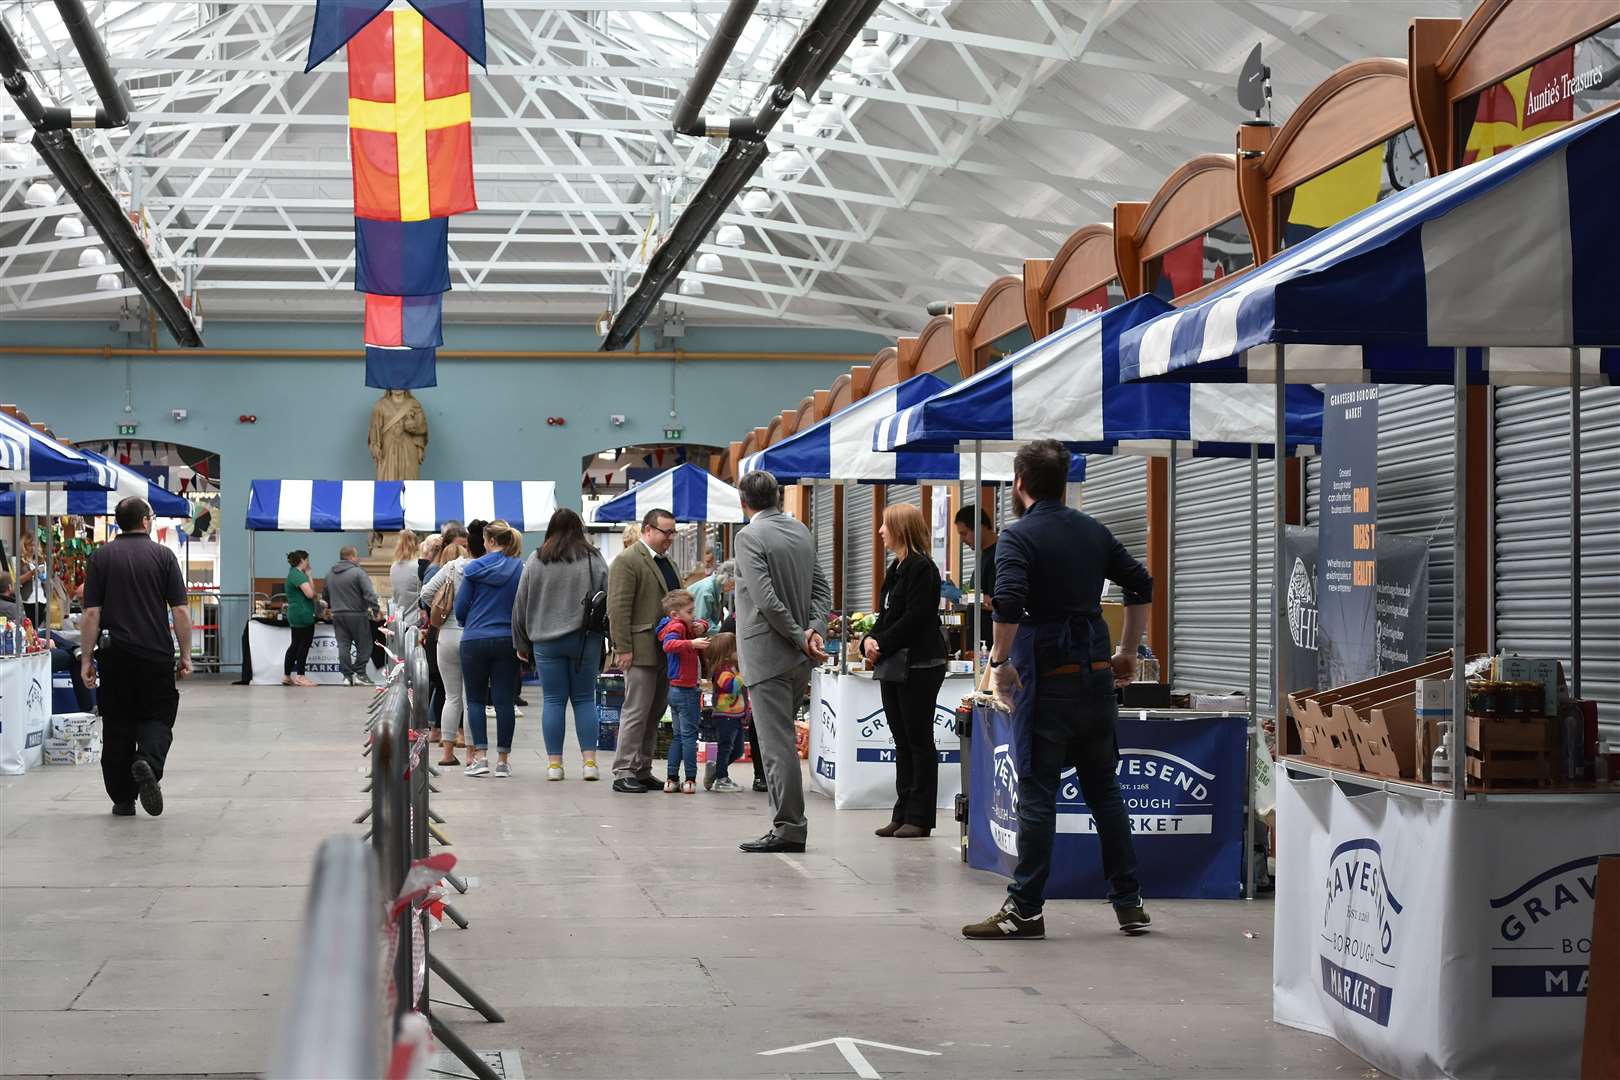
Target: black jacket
x,y
908,616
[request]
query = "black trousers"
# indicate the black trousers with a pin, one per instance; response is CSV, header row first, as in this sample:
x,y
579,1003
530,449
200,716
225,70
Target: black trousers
x,y
298,651
753,751
909,708
435,680
138,705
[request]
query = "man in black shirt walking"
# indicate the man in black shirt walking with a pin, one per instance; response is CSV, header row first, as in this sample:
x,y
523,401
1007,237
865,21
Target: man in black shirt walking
x,y
131,591
1052,659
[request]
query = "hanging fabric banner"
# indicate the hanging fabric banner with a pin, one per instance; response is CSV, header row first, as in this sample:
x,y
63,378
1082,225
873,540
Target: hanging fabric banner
x,y
401,368
412,322
1347,567
402,258
337,21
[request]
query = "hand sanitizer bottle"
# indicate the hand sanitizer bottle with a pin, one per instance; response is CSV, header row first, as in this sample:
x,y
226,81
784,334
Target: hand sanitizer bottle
x,y
1440,762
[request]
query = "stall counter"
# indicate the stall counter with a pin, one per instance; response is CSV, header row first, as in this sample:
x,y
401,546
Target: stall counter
x,y
267,648
852,751
1437,937
25,710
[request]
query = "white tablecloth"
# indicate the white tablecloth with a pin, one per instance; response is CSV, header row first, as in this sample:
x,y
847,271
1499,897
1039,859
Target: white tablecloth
x,y
1438,938
852,751
268,645
25,710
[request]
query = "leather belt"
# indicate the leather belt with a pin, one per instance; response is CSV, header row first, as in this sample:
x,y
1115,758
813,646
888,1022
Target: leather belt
x,y
1074,669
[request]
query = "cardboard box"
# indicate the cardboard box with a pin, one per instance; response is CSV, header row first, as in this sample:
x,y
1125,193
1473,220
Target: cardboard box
x,y
76,751
75,725
1338,727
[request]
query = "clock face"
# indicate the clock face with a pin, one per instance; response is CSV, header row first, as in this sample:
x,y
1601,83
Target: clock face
x,y
1404,159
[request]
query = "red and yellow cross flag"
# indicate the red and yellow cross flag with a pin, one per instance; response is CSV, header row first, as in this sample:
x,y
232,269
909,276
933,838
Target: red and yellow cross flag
x,y
410,121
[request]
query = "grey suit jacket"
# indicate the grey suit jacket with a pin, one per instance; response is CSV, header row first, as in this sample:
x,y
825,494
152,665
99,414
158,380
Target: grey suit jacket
x,y
781,593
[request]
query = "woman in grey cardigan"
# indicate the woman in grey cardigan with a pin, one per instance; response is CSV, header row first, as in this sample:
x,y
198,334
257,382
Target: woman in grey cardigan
x,y
548,622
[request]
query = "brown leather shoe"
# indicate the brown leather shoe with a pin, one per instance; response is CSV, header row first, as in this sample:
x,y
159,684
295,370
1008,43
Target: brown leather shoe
x,y
911,832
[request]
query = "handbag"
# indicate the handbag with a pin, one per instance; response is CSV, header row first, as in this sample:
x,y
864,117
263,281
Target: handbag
x,y
444,604
896,668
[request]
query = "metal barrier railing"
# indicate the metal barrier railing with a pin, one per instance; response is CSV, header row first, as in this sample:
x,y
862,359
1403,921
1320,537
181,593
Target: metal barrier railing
x,y
403,830
218,620
333,1025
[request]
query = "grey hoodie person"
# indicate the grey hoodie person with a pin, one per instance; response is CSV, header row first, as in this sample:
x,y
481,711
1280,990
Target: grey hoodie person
x,y
550,602
348,590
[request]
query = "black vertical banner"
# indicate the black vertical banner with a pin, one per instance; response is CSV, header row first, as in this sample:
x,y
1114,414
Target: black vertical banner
x,y
1347,563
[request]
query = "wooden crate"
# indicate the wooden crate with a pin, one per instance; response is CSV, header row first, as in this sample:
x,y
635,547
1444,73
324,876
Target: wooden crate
x,y
1506,769
1516,734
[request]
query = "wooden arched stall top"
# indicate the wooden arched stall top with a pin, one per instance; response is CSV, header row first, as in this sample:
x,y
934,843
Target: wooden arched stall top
x,y
1199,196
1357,114
885,369
806,414
840,394
983,331
1452,61
1076,277
932,350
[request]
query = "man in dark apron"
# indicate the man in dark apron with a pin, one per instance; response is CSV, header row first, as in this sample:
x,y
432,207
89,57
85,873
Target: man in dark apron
x,y
1053,661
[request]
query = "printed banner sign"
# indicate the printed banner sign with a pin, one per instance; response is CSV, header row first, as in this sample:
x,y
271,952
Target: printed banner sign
x,y
25,711
1402,606
267,646
1434,937
1347,563
852,750
1183,785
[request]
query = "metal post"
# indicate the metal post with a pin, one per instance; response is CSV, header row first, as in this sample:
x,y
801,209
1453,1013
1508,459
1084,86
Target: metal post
x,y
1575,522
978,554
843,586
1279,581
1459,576
1254,664
1167,663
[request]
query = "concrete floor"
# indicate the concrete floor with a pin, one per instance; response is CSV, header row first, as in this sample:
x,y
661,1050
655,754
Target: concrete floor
x,y
622,936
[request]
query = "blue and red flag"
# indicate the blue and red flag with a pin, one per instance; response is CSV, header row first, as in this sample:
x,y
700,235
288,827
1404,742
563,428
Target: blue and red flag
x,y
402,258
412,322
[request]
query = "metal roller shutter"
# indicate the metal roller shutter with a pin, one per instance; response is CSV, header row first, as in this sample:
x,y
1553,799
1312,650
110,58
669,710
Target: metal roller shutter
x,y
858,534
821,524
909,494
1115,493
1531,551
1211,574
1415,498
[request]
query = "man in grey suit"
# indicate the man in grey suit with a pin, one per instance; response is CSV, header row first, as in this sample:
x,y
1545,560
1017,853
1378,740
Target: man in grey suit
x,y
782,601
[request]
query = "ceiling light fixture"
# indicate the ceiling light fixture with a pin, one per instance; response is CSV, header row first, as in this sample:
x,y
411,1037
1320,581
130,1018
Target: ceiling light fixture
x,y
69,227
730,236
691,287
109,283
756,201
872,61
825,116
14,154
40,194
710,263
92,256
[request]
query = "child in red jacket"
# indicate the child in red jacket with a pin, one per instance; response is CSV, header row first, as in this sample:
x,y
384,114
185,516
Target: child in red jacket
x,y
680,635
730,709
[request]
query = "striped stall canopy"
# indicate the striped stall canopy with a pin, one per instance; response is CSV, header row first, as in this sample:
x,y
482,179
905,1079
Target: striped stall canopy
x,y
685,491
841,446
326,505
1066,387
526,505
11,458
93,500
1514,253
43,460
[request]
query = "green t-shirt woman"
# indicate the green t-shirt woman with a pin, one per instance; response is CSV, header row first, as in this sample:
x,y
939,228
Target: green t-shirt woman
x,y
300,594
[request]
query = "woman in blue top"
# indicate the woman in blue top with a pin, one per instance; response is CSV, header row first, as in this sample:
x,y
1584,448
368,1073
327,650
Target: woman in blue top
x,y
488,665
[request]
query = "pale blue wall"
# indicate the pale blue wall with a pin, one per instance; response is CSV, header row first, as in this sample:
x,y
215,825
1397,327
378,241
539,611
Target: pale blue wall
x,y
487,418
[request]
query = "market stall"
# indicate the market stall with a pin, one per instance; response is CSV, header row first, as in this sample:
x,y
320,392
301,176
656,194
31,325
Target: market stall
x,y
686,491
25,710
851,749
1066,387
1395,893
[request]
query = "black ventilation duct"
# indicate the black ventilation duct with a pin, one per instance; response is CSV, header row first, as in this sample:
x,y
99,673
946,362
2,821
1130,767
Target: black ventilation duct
x,y
818,48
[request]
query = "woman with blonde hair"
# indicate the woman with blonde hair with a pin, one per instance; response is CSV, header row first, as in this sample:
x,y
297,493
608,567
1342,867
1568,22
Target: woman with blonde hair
x,y
402,574
907,650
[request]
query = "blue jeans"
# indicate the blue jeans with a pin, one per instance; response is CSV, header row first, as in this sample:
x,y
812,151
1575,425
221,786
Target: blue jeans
x,y
728,741
489,668
1073,724
685,708
568,667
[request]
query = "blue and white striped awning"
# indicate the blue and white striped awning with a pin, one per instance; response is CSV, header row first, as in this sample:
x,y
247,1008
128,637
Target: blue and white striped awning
x,y
526,505
1514,253
1066,387
326,505
93,500
11,457
840,448
43,460
685,491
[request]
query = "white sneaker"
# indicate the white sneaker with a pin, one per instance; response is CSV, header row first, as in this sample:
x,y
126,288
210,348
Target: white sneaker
x,y
554,772
480,767
503,771
725,785
590,771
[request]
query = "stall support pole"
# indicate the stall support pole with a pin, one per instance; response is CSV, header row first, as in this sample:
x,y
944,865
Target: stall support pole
x,y
843,590
1167,662
48,575
1254,666
978,552
1575,522
1279,588
1459,593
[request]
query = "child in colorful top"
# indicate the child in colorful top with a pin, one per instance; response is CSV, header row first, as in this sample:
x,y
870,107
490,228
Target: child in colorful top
x,y
730,708
683,642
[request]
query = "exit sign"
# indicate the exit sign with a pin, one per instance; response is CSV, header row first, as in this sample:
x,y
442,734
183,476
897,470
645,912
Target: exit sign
x,y
126,429
673,432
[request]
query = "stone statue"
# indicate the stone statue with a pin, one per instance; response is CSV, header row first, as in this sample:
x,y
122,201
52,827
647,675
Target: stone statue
x,y
398,436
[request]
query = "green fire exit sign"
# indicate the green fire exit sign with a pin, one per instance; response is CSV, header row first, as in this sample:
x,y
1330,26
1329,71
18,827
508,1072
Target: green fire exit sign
x,y
673,432
126,429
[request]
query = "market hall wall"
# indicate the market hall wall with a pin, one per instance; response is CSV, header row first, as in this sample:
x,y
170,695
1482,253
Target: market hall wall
x,y
487,417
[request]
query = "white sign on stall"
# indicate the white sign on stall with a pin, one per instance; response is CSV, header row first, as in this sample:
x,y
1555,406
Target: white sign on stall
x,y
268,644
1437,938
851,747
25,709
